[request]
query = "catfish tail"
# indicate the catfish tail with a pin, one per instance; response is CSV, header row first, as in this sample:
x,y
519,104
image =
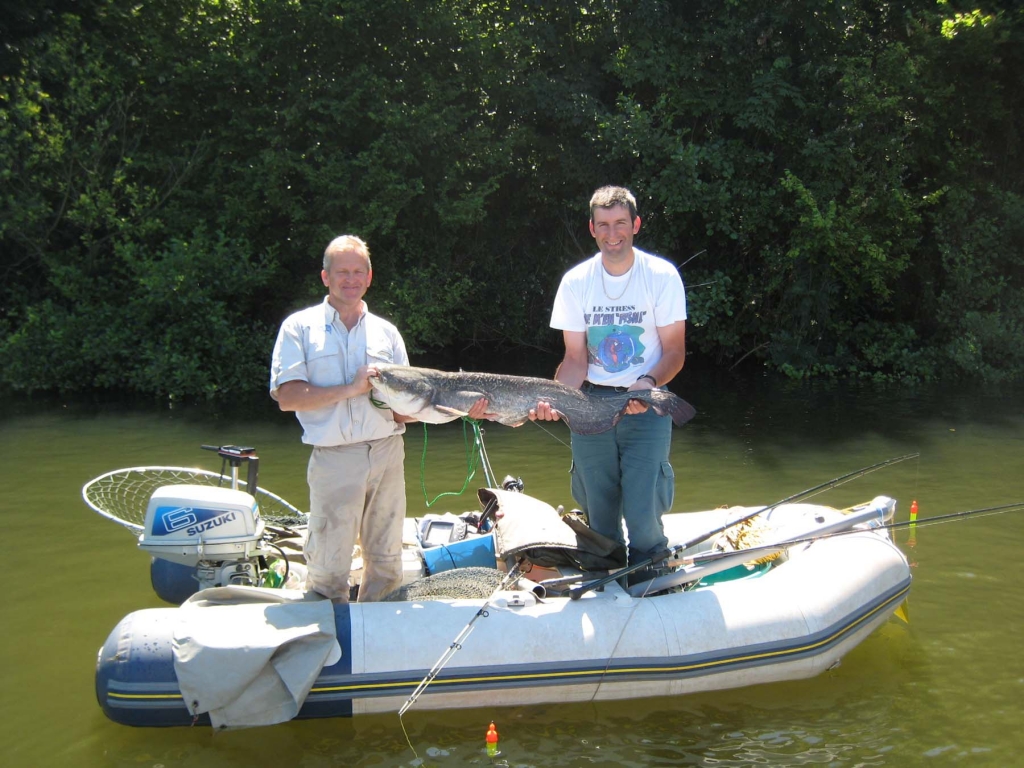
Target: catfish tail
x,y
668,404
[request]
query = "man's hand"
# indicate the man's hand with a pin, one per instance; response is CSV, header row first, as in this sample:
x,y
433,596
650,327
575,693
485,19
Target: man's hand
x,y
479,411
362,378
634,407
544,412
299,395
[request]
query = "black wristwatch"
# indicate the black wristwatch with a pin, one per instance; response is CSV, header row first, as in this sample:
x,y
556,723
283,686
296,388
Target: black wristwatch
x,y
653,380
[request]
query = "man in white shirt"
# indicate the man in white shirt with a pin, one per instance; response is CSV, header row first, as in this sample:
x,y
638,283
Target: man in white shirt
x,y
622,314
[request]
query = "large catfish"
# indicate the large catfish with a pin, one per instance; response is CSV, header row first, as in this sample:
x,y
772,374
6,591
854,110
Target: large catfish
x,y
437,397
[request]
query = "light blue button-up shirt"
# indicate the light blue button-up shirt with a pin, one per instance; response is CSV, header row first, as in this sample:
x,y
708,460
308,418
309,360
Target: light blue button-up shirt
x,y
314,346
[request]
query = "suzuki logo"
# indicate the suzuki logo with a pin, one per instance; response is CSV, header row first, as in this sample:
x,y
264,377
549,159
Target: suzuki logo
x,y
178,518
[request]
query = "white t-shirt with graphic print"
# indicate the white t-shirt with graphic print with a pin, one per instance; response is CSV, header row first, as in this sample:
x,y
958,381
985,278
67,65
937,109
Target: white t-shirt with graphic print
x,y
620,315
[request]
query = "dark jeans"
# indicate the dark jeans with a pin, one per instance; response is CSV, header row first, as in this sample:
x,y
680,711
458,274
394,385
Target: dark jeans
x,y
624,473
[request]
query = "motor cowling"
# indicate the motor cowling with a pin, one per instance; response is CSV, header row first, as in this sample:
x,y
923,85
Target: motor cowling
x,y
189,524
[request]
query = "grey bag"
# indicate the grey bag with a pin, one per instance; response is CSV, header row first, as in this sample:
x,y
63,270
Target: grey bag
x,y
530,529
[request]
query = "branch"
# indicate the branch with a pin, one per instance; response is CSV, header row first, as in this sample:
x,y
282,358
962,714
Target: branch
x,y
748,354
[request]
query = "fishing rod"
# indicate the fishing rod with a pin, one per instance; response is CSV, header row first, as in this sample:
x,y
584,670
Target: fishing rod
x,y
698,253
765,549
456,644
583,589
485,462
704,564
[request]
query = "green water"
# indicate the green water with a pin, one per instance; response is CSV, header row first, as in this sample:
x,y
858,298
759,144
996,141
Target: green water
x,y
945,690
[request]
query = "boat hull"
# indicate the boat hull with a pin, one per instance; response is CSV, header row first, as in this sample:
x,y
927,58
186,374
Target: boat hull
x,y
795,621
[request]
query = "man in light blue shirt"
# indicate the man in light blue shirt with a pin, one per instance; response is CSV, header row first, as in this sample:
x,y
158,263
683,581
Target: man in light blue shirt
x,y
322,363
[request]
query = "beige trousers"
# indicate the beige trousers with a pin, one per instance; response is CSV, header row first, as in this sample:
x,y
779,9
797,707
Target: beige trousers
x,y
356,495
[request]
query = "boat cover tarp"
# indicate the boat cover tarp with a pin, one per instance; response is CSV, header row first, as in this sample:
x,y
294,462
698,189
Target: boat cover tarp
x,y
249,656
530,528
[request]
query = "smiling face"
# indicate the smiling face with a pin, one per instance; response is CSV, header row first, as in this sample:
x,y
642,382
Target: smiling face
x,y
613,229
347,276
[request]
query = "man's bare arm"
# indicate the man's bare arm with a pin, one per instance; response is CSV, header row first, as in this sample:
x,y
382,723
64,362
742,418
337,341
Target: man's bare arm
x,y
303,396
673,353
573,369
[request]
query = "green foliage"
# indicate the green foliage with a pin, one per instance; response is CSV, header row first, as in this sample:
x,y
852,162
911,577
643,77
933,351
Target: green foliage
x,y
981,298
808,148
170,327
436,297
170,173
711,304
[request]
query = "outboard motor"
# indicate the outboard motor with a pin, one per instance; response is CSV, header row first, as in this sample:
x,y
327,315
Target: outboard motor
x,y
217,531
203,529
203,536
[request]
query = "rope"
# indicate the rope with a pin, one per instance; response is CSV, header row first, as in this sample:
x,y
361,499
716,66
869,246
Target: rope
x,y
476,457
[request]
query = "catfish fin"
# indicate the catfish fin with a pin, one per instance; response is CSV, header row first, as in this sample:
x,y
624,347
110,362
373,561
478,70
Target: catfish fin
x,y
451,411
511,422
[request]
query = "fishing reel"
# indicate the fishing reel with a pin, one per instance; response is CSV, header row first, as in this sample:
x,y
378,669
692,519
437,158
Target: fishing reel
x,y
513,484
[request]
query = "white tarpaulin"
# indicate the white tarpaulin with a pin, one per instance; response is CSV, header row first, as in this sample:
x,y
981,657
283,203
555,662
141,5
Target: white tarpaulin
x,y
250,656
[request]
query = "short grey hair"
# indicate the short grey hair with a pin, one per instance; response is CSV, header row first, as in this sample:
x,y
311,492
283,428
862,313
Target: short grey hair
x,y
344,243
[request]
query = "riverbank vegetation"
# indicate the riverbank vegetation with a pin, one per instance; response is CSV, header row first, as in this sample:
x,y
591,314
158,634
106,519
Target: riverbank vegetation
x,y
841,183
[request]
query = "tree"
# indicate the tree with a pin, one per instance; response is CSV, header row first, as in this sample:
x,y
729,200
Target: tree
x,y
849,175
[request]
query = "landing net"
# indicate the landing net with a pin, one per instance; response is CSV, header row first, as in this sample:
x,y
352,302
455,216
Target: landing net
x,y
456,584
123,495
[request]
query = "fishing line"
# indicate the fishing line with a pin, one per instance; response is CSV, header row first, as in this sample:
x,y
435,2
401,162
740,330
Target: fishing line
x,y
455,647
952,517
552,434
622,634
917,481
408,741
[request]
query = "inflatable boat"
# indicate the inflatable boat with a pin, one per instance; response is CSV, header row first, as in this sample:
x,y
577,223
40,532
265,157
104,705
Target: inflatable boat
x,y
790,603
